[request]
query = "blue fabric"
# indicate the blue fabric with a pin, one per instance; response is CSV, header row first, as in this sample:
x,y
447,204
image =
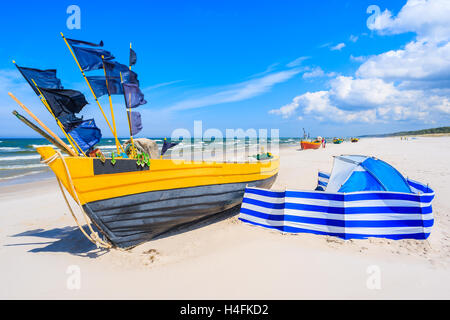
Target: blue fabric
x,y
133,57
133,95
81,42
403,216
86,134
43,78
91,58
114,69
388,176
136,122
98,84
361,181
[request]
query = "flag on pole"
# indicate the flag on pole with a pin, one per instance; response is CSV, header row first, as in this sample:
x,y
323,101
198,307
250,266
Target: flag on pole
x,y
114,69
133,95
64,101
167,145
98,84
135,121
86,134
43,78
81,42
133,57
69,121
91,58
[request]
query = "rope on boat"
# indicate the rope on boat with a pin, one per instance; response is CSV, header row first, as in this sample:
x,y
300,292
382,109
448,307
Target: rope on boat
x,y
93,237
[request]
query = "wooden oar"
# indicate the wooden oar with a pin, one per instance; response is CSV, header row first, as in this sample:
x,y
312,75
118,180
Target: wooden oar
x,y
65,146
38,130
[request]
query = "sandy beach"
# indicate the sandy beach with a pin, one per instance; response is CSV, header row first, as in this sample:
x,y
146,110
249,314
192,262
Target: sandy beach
x,y
224,258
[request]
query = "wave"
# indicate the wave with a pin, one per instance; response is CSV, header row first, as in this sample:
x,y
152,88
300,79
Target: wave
x,y
27,166
106,147
20,175
10,149
42,145
34,156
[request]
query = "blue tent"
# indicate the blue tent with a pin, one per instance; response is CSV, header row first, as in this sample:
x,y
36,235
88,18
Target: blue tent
x,y
364,197
354,173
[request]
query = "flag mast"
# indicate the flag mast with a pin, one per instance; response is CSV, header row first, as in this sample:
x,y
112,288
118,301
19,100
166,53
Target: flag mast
x,y
44,101
133,150
70,151
128,109
68,136
111,105
92,91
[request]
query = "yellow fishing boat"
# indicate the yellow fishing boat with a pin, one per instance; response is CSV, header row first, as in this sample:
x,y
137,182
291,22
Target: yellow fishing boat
x,y
130,203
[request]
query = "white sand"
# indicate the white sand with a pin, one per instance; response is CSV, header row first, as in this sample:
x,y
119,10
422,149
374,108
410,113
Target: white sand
x,y
228,259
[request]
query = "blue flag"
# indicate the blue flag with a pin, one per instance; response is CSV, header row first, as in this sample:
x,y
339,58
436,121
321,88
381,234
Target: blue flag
x,y
135,122
98,84
133,95
43,78
81,42
167,145
133,57
114,69
91,58
86,134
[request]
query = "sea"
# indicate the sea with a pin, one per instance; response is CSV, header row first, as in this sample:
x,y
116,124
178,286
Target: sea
x,y
20,163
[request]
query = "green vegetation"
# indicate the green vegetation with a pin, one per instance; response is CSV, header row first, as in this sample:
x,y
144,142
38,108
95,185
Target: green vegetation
x,y
439,130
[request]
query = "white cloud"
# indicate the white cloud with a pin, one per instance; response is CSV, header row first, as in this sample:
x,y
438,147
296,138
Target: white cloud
x,y
411,83
358,58
418,61
339,46
353,38
366,100
296,62
429,19
315,72
238,92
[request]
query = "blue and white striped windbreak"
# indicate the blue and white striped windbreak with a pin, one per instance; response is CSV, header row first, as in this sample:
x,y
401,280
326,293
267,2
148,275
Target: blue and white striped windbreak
x,y
355,215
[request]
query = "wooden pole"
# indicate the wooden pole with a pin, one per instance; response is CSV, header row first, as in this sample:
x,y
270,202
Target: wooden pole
x,y
110,104
133,149
92,91
38,130
50,132
129,111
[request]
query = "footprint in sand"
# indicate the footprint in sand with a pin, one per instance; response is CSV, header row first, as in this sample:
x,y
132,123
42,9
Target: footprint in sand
x,y
152,255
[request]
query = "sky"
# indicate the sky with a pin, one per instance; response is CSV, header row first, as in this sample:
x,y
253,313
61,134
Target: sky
x,y
335,68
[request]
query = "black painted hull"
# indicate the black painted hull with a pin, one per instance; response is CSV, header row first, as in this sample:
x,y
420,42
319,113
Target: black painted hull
x,y
130,220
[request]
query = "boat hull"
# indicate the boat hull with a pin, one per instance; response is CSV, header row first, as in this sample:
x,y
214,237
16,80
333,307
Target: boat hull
x,y
130,203
130,220
310,145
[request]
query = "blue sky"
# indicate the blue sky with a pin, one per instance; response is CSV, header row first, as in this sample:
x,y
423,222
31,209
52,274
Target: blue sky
x,y
243,64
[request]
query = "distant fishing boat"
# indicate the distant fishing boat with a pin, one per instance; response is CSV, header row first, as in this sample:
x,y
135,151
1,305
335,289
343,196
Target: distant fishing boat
x,y
310,144
131,204
338,141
